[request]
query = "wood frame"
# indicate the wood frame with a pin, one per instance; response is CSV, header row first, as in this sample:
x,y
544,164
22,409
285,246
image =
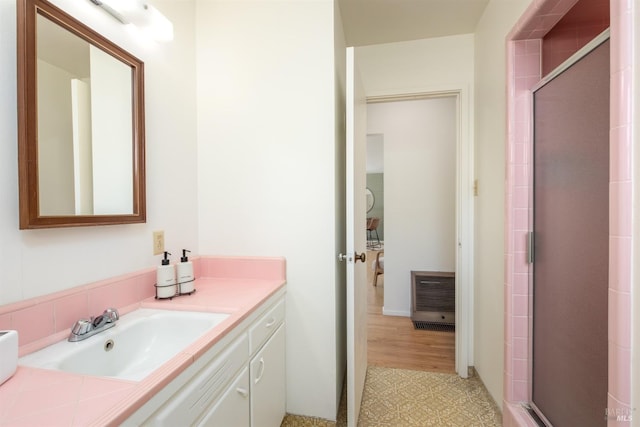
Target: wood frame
x,y
30,218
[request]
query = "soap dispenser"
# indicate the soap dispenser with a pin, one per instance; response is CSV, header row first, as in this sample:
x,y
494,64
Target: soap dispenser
x,y
185,274
166,279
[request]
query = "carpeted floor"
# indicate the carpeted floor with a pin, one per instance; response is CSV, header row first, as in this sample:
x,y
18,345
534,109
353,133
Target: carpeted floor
x,y
403,398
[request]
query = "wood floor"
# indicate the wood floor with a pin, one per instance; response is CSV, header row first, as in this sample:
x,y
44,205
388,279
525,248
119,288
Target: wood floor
x,y
393,342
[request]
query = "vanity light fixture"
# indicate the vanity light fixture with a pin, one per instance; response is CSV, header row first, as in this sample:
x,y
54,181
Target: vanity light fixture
x,y
141,14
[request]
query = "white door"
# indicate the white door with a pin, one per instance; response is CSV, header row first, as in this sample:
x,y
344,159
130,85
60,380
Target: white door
x,y
356,240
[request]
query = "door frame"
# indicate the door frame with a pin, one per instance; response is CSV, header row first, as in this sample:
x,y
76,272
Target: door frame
x,y
465,189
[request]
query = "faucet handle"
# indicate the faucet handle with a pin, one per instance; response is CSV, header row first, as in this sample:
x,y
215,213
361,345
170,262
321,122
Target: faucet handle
x,y
82,326
111,314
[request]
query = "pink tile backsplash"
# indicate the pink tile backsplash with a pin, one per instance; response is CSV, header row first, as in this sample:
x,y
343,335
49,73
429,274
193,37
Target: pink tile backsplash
x,y
101,298
34,323
44,320
252,268
67,309
5,321
521,77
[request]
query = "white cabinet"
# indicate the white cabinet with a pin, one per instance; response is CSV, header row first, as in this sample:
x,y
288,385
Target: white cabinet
x,y
239,382
262,329
188,404
232,409
268,394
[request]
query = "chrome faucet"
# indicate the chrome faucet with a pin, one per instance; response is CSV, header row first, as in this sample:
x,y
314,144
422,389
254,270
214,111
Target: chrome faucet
x,y
85,328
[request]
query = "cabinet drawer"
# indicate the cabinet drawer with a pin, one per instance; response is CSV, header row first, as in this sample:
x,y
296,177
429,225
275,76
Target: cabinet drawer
x,y
265,326
189,403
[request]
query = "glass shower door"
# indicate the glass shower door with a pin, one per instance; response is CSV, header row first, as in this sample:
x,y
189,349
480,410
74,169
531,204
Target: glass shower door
x,y
571,234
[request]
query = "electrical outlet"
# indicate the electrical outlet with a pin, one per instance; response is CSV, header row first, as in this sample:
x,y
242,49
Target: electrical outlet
x,y
158,242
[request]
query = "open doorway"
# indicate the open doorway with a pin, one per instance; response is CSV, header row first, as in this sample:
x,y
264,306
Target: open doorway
x,y
412,175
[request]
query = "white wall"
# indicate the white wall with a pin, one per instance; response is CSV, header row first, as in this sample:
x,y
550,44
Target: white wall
x,y
112,128
375,153
82,152
490,133
428,65
55,133
635,308
267,167
417,66
37,262
420,191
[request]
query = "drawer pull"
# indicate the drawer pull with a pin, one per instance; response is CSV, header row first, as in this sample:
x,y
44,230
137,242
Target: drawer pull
x,y
261,370
242,392
270,323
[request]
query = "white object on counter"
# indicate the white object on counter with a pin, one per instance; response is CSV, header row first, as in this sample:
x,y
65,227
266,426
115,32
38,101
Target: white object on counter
x,y
184,271
8,354
166,279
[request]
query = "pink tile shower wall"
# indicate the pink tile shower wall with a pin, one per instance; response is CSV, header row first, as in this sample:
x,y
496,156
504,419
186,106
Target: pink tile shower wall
x,y
523,60
525,72
579,26
622,69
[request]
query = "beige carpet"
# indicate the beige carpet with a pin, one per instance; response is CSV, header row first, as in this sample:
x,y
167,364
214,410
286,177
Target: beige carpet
x,y
402,398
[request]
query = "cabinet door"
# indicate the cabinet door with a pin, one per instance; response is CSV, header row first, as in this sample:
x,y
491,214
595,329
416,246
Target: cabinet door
x,y
232,409
268,393
192,400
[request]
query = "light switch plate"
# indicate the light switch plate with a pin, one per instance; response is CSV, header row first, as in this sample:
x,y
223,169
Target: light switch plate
x,y
158,242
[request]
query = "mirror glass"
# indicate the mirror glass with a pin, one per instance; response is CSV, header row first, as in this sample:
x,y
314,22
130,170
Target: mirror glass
x,y
82,133
371,200
84,126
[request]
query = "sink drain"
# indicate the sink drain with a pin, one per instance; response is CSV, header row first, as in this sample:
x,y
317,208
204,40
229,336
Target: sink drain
x,y
108,346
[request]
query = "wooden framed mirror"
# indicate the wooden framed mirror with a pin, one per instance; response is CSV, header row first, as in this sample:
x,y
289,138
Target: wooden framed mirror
x,y
81,134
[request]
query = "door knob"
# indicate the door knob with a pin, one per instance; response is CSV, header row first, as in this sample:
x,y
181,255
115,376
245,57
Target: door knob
x,y
362,257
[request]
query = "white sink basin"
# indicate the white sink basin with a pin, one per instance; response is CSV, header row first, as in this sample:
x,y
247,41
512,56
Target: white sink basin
x,y
138,344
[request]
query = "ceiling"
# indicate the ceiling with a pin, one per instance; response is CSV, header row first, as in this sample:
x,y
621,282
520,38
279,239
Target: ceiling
x,y
369,22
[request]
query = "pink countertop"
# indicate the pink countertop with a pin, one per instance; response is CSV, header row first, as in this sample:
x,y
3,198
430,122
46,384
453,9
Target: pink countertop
x,y
39,397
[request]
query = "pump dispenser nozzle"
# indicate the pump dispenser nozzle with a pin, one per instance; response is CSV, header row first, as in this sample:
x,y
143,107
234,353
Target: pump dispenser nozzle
x,y
184,257
166,261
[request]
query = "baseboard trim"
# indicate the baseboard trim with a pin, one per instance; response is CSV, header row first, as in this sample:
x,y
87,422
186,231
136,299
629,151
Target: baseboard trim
x,y
400,313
